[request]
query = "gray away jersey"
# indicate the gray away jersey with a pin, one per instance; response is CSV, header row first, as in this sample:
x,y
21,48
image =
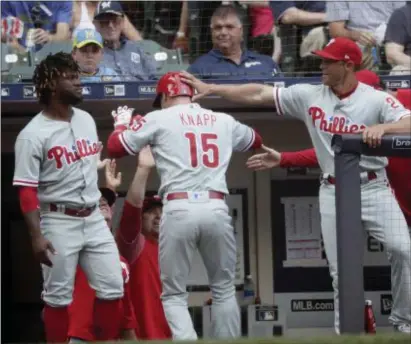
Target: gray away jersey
x,y
325,115
60,158
192,146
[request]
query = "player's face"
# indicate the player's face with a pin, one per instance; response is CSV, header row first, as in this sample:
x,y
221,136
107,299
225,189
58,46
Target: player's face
x,y
226,33
106,211
110,26
333,72
68,88
151,221
88,57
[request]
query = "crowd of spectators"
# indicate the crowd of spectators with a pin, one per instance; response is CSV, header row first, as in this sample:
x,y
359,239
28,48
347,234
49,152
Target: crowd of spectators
x,y
219,39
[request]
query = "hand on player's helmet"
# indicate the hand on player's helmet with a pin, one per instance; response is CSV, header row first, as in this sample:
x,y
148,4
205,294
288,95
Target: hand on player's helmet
x,y
41,248
122,116
373,135
264,161
145,158
113,180
202,88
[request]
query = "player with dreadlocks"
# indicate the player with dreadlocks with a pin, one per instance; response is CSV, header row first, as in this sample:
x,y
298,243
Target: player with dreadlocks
x,y
56,173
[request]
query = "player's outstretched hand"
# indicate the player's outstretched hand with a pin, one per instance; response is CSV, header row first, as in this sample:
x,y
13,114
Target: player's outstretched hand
x,y
42,248
271,158
202,88
101,163
122,116
373,135
145,158
113,180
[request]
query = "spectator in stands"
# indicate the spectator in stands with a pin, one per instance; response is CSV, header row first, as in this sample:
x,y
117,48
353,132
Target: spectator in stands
x,y
125,57
83,15
359,21
44,21
310,17
88,53
398,39
229,58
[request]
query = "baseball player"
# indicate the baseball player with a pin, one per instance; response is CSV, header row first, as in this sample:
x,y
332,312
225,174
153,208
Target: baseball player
x,y
56,172
192,147
137,240
398,173
81,327
343,105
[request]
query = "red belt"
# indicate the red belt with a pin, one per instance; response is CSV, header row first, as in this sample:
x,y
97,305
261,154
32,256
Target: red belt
x,y
370,176
83,212
184,195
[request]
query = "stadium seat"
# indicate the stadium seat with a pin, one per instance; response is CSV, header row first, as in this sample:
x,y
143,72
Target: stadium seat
x,y
52,48
4,52
167,59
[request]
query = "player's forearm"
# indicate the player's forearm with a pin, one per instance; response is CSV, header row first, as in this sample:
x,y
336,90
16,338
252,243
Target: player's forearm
x,y
137,190
338,29
114,146
250,94
128,236
29,205
304,158
403,126
128,334
296,16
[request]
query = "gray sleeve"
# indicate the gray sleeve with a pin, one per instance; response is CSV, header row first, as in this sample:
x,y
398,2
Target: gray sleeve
x,y
293,100
396,28
243,137
337,11
28,157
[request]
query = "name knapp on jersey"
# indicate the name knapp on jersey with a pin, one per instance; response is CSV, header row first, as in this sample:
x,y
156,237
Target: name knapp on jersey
x,y
82,148
198,120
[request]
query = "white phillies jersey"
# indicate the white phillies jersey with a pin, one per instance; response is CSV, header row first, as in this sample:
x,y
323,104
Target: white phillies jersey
x,y
60,159
325,114
192,146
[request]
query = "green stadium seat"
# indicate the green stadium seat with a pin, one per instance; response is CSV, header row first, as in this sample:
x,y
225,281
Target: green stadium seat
x,y
4,52
52,48
19,66
167,59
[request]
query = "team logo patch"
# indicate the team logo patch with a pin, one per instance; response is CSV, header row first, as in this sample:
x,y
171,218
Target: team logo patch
x,y
80,149
386,304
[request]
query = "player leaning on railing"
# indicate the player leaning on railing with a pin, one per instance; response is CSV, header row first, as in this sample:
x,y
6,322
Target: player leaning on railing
x,y
342,105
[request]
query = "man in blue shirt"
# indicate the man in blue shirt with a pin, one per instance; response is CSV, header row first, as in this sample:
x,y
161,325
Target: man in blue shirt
x,y
44,21
229,59
127,58
88,53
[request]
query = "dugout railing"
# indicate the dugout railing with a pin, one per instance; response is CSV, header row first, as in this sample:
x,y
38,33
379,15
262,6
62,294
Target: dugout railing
x,y
350,234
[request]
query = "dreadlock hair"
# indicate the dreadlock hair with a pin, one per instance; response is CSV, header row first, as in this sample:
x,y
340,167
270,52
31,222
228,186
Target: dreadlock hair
x,y
52,67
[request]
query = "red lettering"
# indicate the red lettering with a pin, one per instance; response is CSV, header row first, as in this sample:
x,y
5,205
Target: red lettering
x,y
183,121
199,122
206,118
190,120
338,124
56,153
394,104
70,156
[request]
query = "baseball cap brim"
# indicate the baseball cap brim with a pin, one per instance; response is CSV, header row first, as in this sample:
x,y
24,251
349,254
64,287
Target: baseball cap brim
x,y
117,13
88,41
323,54
109,195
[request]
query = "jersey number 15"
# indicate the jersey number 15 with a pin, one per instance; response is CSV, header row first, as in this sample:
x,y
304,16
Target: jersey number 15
x,y
208,150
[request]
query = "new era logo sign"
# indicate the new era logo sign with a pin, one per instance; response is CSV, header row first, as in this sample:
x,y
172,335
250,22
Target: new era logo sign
x,y
29,92
86,90
401,143
386,304
5,92
115,90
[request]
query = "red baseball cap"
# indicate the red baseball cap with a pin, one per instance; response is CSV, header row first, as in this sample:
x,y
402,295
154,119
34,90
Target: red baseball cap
x,y
369,78
151,202
341,49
